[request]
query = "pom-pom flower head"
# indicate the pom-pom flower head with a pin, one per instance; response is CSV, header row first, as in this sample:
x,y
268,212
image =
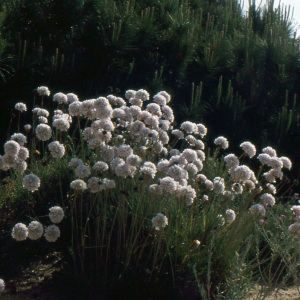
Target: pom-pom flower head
x,y
31,182
222,142
78,185
52,233
43,132
43,91
35,230
21,107
159,221
20,232
56,214
249,148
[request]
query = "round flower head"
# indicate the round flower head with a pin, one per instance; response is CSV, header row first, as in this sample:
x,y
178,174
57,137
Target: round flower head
x,y
56,214
160,99
21,107
178,134
20,166
75,162
75,108
72,98
270,151
248,148
35,230
57,150
20,232
159,221
31,182
2,285
19,138
62,124
296,210
222,142
148,168
60,98
82,171
218,185
78,185
230,215
42,120
241,173
202,130
27,127
155,189
100,166
52,233
295,228
189,127
130,94
286,162
43,91
43,132
258,210
11,148
142,94
267,199
168,184
124,150
108,184
231,160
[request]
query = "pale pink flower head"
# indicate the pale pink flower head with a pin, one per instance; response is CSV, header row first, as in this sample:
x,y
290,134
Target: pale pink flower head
x,y
241,173
60,98
222,142
295,228
160,221
286,162
270,151
43,91
202,130
72,98
142,94
21,107
20,232
35,230
56,214
11,148
231,160
189,127
52,233
258,210
249,148
296,210
267,199
166,95
230,215
31,182
43,132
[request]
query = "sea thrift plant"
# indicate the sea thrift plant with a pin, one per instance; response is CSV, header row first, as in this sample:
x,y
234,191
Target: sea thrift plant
x,y
131,192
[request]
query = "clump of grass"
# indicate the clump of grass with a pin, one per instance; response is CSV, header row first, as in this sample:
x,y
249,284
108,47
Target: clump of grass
x,y
135,200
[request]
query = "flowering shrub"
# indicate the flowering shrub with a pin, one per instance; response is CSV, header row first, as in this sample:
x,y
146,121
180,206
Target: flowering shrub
x,y
136,200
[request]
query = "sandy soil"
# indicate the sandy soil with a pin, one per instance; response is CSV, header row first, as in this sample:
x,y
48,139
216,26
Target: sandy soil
x,y
290,293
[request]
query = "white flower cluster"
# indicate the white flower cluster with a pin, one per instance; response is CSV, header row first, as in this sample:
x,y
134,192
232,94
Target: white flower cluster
x,y
160,221
15,154
21,107
35,229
